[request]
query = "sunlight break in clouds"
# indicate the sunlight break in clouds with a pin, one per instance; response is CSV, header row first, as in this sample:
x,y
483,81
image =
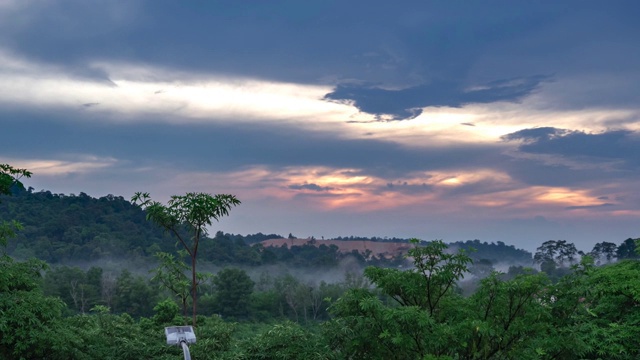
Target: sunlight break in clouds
x,y
57,168
484,191
132,91
126,92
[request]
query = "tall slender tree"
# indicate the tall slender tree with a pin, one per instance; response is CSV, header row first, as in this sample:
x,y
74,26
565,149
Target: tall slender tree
x,y
188,214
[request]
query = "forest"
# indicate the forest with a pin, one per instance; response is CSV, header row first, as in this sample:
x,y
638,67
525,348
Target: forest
x,y
100,278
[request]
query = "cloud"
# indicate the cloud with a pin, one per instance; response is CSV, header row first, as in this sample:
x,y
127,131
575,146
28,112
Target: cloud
x,y
286,104
408,188
228,145
534,134
128,92
588,207
72,166
312,187
615,145
408,103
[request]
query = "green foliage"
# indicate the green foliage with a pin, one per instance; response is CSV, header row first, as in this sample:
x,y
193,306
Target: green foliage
x,y
233,288
29,326
287,341
589,313
604,251
194,211
557,251
505,316
628,249
166,312
365,328
29,322
80,290
191,212
613,302
304,301
59,228
20,276
10,177
432,280
171,275
494,252
215,338
134,295
594,313
8,229
423,322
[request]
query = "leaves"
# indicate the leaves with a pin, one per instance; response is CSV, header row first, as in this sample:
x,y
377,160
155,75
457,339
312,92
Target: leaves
x,y
10,176
193,211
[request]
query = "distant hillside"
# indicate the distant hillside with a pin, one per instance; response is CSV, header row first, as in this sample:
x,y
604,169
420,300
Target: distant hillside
x,y
496,253
380,249
62,228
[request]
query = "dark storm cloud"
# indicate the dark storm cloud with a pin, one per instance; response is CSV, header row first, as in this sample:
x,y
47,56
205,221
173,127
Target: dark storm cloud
x,y
399,45
215,147
589,207
534,134
436,53
573,158
620,145
404,187
292,40
222,148
312,187
407,103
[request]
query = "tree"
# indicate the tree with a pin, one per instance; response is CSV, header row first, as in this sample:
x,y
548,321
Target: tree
x,y
290,289
423,322
505,317
481,268
287,341
171,275
595,313
191,213
233,291
627,250
556,251
29,325
604,249
433,278
79,290
10,177
133,295
30,322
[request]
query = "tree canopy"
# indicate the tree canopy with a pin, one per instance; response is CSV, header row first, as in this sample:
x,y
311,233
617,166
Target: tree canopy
x,y
191,212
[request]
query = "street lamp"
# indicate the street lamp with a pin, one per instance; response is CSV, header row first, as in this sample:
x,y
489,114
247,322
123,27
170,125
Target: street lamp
x,y
181,336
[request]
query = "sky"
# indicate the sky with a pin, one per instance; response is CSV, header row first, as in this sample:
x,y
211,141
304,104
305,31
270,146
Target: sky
x,y
513,121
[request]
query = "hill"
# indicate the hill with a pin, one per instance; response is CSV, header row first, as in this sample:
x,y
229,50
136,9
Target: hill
x,y
380,249
62,228
495,252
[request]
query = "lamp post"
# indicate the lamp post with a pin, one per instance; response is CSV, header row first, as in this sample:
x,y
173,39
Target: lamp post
x,y
181,336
